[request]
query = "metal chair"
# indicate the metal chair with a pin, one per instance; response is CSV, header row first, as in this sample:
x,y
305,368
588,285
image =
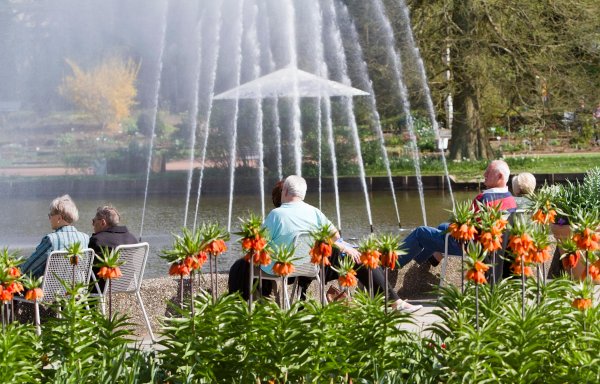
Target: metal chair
x,y
133,257
445,261
58,267
303,267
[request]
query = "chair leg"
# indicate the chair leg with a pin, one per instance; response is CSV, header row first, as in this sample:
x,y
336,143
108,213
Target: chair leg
x,y
36,310
443,271
286,297
102,305
139,298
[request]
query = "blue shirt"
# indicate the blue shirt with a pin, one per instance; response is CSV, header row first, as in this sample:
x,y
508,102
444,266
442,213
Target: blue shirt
x,y
285,222
55,241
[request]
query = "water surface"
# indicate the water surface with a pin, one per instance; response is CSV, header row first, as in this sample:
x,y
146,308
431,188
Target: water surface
x,y
25,220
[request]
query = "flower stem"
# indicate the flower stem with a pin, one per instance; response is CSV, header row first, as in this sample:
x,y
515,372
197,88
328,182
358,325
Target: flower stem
x,y
109,299
250,281
522,287
212,284
216,279
181,291
477,306
386,290
322,273
371,283
537,271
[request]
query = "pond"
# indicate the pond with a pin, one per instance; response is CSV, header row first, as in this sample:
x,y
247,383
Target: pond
x,y
25,220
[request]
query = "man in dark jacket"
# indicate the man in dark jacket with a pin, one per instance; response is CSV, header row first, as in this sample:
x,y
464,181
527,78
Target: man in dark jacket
x,y
108,233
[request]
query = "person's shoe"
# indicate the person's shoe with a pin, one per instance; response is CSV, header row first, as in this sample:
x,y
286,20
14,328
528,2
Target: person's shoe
x,y
408,308
433,261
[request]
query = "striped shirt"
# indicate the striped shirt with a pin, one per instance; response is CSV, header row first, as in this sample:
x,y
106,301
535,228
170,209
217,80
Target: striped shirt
x,y
55,241
493,196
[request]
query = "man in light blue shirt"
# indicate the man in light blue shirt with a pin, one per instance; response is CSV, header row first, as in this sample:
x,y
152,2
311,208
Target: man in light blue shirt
x,y
295,216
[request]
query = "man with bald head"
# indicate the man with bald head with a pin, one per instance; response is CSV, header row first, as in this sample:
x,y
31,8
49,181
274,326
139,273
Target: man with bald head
x,y
427,243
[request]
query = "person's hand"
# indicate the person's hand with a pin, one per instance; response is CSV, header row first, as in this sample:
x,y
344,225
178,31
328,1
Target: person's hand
x,y
354,254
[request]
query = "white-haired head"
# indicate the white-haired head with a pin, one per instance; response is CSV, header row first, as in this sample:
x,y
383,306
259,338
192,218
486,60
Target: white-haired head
x,y
496,175
66,208
295,186
523,184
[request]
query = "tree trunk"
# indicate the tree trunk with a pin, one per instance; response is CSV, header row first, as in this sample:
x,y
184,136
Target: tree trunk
x,y
469,139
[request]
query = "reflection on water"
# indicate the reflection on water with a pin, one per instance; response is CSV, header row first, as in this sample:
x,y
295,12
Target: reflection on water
x,y
25,222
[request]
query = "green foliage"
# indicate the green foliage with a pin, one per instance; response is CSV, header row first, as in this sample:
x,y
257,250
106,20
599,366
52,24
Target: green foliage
x,y
571,198
552,343
308,343
19,355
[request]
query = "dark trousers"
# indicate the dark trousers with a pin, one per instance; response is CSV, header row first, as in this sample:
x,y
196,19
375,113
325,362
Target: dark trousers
x,y
239,275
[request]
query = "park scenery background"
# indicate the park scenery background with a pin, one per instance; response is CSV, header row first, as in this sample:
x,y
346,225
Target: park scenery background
x,y
184,113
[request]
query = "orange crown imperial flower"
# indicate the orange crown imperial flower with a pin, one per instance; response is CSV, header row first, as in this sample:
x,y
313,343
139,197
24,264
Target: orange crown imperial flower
x,y
544,217
516,269
109,273
15,287
462,232
179,269
370,258
389,259
593,272
259,257
216,247
490,241
587,240
478,277
34,294
320,252
14,272
571,260
481,267
5,295
520,244
581,303
349,279
283,269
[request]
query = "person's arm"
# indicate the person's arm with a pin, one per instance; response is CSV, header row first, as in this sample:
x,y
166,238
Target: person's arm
x,y
346,248
37,261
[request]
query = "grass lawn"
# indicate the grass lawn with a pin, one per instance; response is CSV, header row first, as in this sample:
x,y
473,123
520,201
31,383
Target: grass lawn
x,y
577,162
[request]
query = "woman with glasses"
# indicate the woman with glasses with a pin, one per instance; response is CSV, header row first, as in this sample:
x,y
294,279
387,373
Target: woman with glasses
x,y
63,213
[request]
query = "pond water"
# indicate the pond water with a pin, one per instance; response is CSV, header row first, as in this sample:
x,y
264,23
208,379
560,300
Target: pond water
x,y
25,220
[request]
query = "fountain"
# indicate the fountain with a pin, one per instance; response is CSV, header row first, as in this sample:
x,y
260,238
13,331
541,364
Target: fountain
x,y
277,85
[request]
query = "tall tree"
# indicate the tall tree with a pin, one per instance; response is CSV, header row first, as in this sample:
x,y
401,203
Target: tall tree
x,y
507,55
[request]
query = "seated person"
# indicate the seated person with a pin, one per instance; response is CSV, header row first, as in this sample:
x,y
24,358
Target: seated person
x,y
294,216
427,243
107,230
63,213
108,233
523,185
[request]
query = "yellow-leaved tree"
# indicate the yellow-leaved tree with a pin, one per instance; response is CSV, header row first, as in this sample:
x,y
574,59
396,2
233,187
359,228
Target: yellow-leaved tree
x,y
107,92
